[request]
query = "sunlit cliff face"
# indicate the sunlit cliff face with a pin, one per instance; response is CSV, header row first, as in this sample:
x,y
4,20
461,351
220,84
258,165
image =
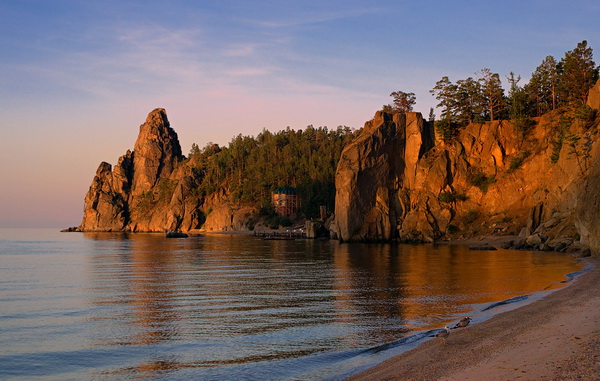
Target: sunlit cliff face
x,y
393,183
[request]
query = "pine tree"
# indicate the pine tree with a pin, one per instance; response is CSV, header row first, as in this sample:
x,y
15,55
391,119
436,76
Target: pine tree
x,y
402,102
517,98
542,87
493,93
469,100
579,73
445,92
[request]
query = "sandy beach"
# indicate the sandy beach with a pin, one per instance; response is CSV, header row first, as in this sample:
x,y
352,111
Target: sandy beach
x,y
556,338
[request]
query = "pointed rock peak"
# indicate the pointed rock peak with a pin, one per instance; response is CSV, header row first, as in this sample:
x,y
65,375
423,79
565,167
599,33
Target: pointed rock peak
x,y
156,151
158,116
157,133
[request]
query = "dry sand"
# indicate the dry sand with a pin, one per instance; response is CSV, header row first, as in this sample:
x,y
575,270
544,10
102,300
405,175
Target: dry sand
x,y
556,338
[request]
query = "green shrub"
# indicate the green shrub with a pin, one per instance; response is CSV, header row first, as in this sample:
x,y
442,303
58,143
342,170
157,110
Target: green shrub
x,y
524,127
471,216
274,222
166,188
587,115
452,196
452,229
145,202
517,161
556,147
478,119
448,131
476,177
285,222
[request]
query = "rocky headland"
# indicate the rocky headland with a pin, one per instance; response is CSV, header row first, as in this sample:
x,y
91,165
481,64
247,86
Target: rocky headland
x,y
148,189
395,182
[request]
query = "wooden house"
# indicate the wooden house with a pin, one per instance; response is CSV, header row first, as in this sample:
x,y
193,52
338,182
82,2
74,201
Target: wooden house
x,y
285,201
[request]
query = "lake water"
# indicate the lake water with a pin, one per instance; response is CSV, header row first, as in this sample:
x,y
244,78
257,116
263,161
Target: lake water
x,y
104,306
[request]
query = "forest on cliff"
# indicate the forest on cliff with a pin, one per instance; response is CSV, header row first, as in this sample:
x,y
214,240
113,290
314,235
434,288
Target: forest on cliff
x,y
250,168
553,85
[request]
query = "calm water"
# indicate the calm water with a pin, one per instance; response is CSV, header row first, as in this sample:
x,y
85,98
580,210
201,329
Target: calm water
x,y
117,306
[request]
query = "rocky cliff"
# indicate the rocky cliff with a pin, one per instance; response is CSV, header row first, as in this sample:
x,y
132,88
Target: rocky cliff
x,y
154,189
148,190
374,170
588,202
396,183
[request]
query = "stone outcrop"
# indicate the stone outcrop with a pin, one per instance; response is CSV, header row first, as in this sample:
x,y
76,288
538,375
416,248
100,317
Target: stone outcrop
x,y
588,210
396,183
222,215
593,99
148,190
157,152
588,202
106,207
373,171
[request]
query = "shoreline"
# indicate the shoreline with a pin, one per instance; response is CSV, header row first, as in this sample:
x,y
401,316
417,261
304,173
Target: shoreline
x,y
556,337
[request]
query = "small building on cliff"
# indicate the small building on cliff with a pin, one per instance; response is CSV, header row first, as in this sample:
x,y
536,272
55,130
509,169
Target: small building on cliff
x,y
285,201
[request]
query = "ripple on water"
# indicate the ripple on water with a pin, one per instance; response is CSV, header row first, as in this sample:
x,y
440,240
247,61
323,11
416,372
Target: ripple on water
x,y
80,306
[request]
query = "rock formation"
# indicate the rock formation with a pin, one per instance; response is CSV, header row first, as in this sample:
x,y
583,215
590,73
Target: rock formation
x,y
588,200
148,190
372,172
395,183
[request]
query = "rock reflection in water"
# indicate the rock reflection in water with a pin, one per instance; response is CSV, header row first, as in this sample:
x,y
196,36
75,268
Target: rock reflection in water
x,y
234,303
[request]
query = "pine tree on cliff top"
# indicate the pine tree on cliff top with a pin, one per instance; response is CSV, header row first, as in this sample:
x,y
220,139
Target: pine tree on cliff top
x,y
493,93
469,101
579,73
402,102
542,87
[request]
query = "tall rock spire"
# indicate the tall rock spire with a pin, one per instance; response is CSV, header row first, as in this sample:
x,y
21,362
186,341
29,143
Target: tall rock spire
x,y
156,152
129,197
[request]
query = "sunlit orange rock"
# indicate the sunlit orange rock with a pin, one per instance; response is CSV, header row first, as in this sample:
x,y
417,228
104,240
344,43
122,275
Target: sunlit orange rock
x,y
393,183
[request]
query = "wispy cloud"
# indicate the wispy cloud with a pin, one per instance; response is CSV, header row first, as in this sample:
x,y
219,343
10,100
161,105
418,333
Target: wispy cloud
x,y
301,17
249,72
240,50
145,59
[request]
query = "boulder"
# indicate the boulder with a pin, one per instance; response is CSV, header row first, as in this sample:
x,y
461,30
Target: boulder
x,y
534,240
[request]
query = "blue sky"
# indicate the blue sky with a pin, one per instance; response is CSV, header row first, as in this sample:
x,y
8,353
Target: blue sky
x,y
79,77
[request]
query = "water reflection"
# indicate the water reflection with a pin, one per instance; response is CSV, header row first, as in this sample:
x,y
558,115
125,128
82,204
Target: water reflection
x,y
231,304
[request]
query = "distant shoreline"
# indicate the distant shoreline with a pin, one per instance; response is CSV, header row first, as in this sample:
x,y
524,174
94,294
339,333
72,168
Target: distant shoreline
x,y
557,337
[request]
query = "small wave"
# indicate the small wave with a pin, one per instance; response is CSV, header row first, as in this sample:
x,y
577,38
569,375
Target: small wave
x,y
505,302
398,343
571,276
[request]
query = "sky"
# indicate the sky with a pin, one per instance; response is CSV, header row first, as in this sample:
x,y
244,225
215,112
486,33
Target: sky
x,y
79,77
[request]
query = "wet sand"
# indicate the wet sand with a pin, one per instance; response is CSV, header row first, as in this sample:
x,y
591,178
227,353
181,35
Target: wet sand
x,y
556,338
